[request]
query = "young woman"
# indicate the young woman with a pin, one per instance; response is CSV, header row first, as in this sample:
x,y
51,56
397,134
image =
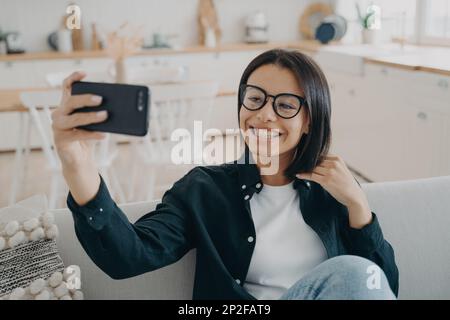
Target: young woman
x,y
300,229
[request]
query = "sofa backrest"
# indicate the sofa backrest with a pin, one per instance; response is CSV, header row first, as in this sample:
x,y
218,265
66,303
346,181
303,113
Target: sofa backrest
x,y
415,218
414,215
171,282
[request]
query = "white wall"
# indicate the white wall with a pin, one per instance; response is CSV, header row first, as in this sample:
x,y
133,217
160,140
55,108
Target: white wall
x,y
36,19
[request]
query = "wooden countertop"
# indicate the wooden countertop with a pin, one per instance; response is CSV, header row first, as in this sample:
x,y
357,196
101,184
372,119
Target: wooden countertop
x,y
434,64
10,99
409,57
301,45
435,61
418,58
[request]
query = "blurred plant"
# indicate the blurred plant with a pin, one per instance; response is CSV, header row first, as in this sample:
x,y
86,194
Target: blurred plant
x,y
124,42
367,19
121,44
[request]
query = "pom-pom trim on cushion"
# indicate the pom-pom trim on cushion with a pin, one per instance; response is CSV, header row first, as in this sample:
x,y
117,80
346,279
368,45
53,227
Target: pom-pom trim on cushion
x,y
34,240
15,233
41,289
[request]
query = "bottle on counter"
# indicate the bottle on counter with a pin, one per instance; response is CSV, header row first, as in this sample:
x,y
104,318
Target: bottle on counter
x,y
210,38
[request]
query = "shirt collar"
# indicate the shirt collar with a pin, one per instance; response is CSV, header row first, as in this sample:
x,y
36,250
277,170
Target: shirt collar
x,y
250,178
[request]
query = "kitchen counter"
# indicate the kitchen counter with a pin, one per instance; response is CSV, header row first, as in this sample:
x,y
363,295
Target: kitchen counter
x,y
439,64
414,58
311,46
10,100
409,57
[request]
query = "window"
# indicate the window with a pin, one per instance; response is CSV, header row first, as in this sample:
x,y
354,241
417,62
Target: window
x,y
433,21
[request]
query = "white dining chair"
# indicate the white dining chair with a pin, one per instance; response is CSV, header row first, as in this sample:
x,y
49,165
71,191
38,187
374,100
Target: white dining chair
x,y
32,101
107,148
173,106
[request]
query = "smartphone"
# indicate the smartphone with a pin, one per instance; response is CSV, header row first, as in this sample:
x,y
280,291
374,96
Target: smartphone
x,y
128,107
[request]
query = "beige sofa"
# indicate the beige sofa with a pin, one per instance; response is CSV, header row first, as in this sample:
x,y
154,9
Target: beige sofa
x,y
415,216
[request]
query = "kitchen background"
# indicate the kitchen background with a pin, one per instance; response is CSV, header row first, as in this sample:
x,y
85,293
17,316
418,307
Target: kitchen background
x,y
389,76
36,19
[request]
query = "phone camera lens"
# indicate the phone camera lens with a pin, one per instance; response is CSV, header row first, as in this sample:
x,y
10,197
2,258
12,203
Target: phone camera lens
x,y
140,101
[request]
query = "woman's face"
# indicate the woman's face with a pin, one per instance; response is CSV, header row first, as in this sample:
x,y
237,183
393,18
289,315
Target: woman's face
x,y
261,127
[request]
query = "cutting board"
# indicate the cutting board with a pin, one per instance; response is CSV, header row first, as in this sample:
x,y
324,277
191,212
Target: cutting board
x,y
207,18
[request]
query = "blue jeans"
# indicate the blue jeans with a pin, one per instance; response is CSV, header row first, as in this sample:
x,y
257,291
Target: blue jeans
x,y
342,278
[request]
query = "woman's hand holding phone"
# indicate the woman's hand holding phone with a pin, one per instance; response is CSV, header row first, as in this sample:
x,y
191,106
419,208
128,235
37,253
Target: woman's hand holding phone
x,y
74,146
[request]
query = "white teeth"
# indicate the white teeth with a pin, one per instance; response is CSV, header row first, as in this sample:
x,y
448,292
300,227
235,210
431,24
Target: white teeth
x,y
264,133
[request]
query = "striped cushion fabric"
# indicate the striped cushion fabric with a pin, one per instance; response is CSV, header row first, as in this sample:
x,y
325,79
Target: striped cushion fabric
x,y
21,265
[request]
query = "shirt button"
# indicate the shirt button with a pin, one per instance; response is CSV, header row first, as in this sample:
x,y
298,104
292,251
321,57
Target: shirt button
x,y
258,185
308,184
246,197
238,281
243,186
250,239
90,218
101,209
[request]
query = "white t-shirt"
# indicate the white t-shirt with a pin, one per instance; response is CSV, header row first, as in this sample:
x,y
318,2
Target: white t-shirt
x,y
286,247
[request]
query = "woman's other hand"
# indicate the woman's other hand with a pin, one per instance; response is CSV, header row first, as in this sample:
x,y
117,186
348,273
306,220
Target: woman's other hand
x,y
334,176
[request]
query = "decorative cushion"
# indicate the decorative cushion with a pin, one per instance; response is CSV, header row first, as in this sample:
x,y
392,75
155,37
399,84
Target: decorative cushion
x,y
30,264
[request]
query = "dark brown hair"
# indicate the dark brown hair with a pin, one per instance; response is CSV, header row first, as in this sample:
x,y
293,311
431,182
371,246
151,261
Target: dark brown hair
x,y
314,146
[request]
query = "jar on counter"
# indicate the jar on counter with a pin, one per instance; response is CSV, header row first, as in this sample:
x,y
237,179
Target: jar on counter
x,y
3,48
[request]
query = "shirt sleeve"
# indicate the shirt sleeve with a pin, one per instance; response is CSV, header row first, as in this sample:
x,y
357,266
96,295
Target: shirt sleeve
x,y
366,239
123,249
368,242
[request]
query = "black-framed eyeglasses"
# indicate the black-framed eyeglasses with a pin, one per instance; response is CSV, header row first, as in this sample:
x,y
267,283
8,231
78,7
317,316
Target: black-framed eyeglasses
x,y
285,105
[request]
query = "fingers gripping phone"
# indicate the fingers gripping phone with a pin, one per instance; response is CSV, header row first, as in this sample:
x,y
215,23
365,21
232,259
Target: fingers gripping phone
x,y
128,107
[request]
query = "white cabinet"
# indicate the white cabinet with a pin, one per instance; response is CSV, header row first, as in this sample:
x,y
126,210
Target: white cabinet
x,y
17,74
67,66
347,112
434,88
427,151
392,124
418,106
198,65
424,144
385,123
225,67
362,119
32,74
229,66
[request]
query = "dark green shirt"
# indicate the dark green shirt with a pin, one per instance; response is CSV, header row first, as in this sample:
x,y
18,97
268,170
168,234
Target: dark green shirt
x,y
208,209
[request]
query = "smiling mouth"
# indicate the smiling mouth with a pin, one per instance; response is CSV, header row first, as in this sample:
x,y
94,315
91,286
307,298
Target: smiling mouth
x,y
265,133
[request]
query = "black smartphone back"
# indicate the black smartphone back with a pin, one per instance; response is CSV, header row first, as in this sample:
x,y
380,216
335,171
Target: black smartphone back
x,y
128,106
